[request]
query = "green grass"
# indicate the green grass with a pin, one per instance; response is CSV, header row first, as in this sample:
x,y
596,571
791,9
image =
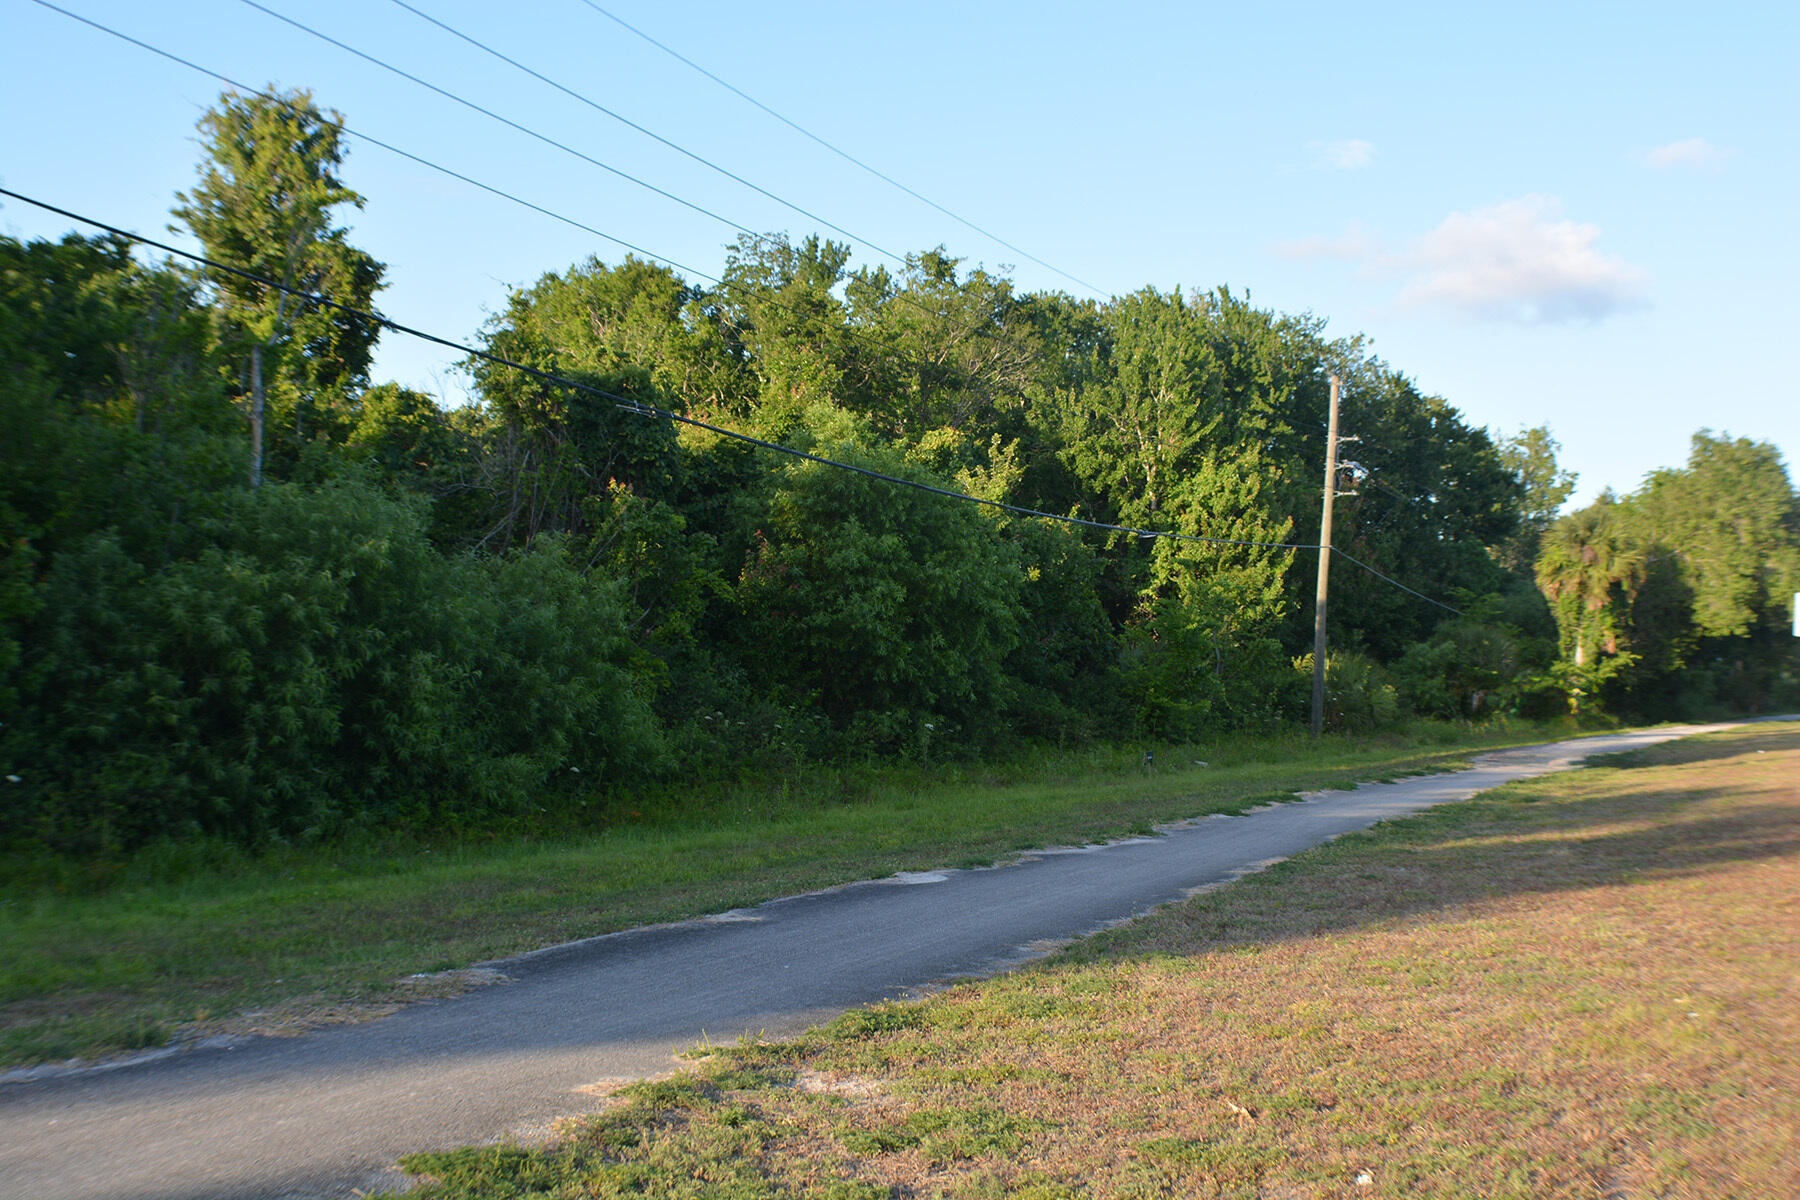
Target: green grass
x,y
192,939
1582,986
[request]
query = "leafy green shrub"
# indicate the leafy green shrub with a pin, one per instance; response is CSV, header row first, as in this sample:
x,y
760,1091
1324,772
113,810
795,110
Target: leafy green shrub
x,y
1188,671
886,607
1467,669
1064,665
315,666
1359,695
1168,680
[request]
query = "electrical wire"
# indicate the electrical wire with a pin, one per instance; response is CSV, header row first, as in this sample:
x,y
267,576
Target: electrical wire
x,y
1389,579
901,297
1372,476
649,133
507,121
375,141
1435,469
843,154
1369,476
767,294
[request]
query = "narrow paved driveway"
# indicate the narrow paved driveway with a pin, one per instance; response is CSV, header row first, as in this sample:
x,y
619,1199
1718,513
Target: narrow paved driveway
x,y
326,1114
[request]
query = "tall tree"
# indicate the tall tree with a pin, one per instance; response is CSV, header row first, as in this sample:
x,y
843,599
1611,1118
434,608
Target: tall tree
x,y
1431,498
884,609
1733,518
1729,524
962,349
1589,568
1531,455
1178,423
781,299
110,411
263,204
639,314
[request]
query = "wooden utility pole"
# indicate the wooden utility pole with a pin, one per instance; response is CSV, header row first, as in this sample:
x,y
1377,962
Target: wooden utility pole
x,y
1331,449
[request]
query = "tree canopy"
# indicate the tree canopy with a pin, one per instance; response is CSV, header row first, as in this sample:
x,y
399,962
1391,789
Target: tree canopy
x,y
263,210
377,612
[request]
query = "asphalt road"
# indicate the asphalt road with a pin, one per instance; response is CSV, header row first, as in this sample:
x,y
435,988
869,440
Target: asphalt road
x,y
326,1114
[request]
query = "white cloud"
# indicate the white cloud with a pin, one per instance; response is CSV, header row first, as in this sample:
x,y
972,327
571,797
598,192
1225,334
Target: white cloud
x,y
1693,154
1350,154
1355,243
1520,261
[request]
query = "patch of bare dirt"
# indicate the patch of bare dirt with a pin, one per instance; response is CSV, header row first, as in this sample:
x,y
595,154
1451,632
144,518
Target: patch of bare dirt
x,y
303,1014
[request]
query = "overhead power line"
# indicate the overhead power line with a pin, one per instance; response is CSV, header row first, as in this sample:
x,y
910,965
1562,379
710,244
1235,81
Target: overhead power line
x,y
507,121
769,295
843,154
649,133
375,141
1389,579
901,297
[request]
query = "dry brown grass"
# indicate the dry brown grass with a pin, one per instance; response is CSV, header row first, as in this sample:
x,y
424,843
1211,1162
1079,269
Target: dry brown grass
x,y
1585,986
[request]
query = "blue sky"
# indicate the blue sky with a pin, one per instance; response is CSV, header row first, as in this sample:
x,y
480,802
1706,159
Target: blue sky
x,y
1579,215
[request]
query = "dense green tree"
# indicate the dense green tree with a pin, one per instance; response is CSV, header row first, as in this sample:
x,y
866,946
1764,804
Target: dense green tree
x,y
1432,498
1179,425
886,608
101,423
264,204
111,412
1728,526
783,301
1029,430
1589,569
603,319
963,351
1491,658
1466,668
1673,601
1065,664
402,433
1182,420
1666,677
559,436
1531,456
53,334
1732,517
313,666
1152,405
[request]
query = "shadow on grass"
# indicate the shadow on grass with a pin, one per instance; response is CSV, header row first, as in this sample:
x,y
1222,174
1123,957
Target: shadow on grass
x,y
1731,799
